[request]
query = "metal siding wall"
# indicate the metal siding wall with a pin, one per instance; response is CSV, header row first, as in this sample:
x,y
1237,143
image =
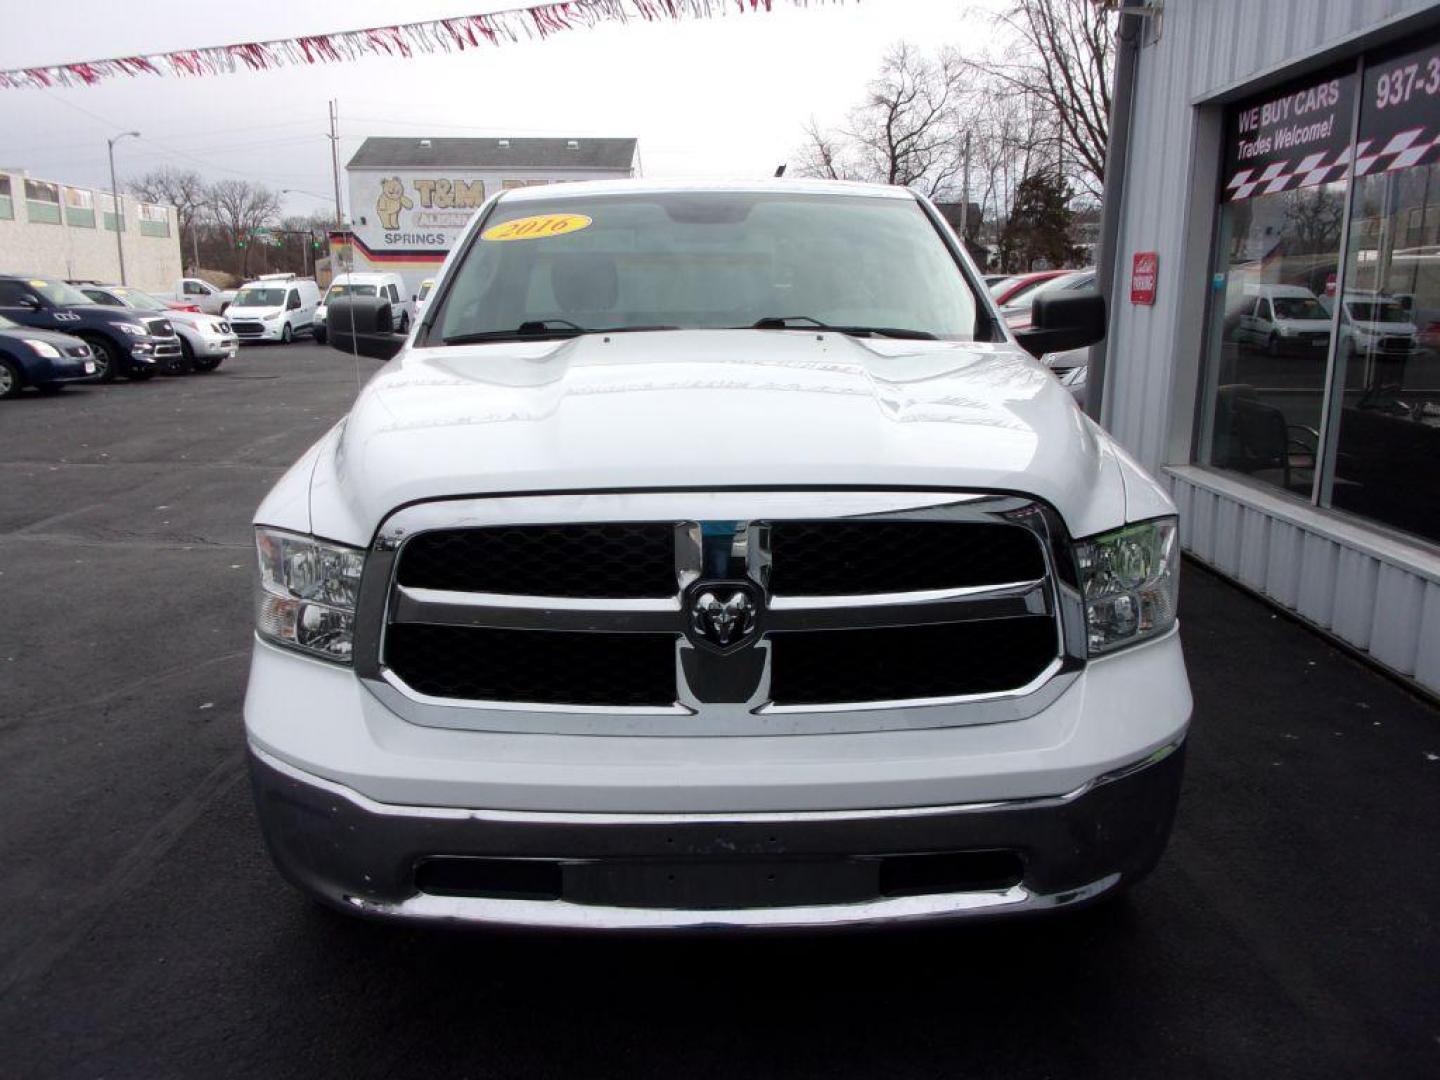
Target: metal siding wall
x,y
1387,608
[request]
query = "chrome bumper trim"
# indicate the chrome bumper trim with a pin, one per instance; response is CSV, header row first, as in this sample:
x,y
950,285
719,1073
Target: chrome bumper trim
x,y
558,914
539,817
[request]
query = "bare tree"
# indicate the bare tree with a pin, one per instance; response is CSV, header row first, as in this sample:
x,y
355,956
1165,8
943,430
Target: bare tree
x,y
184,189
239,208
1065,60
906,131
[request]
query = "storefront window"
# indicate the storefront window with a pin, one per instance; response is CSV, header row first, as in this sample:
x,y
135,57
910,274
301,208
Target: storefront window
x,y
42,202
1274,280
7,201
1323,366
79,208
1384,461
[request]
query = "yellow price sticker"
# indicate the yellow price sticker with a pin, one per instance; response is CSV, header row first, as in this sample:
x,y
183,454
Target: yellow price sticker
x,y
39,284
539,227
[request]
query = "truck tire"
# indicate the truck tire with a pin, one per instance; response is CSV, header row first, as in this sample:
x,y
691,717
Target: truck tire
x,y
287,335
140,374
318,333
10,380
205,364
108,361
185,363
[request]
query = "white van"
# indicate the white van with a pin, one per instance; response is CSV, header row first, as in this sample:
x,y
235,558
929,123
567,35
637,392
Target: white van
x,y
422,298
274,308
1283,319
385,286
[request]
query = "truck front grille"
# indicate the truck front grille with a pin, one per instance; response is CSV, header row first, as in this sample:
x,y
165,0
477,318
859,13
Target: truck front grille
x,y
483,664
159,327
947,602
839,558
577,560
827,667
247,329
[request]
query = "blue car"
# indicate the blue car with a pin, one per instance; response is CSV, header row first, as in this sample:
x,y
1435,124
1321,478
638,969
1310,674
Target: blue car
x,y
40,358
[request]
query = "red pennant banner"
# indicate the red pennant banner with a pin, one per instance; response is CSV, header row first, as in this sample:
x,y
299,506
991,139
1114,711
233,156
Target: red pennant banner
x,y
529,22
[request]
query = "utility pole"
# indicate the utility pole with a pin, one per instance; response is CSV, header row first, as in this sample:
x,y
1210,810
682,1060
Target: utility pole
x,y
965,196
335,156
115,197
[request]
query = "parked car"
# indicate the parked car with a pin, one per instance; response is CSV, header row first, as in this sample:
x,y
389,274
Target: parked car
x,y
121,341
274,308
1016,312
1012,289
1283,319
207,298
422,298
1375,323
40,358
205,340
626,598
389,286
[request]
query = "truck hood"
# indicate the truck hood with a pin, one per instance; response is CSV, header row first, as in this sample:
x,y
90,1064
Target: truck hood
x,y
710,409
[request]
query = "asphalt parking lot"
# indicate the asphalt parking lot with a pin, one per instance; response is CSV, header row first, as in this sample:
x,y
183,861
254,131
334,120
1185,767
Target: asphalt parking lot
x,y
1293,927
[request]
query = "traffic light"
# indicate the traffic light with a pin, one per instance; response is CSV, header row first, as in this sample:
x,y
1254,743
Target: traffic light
x,y
240,242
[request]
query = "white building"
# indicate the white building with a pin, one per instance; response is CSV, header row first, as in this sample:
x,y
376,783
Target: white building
x,y
69,232
1274,353
410,198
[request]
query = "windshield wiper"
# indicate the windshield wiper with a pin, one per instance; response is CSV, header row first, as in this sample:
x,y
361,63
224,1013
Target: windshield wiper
x,y
546,330
809,322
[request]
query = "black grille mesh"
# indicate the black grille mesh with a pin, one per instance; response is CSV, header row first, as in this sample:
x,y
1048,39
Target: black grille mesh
x,y
625,559
840,558
543,666
832,666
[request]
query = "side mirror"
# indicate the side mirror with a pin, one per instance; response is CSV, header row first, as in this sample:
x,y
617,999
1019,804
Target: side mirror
x,y
1063,321
29,303
364,325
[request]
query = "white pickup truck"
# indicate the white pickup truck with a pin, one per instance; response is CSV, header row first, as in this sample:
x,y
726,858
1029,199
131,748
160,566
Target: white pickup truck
x,y
714,556
208,298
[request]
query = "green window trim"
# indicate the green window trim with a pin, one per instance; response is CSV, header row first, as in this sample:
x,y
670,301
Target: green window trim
x,y
7,208
79,218
157,229
46,213
110,221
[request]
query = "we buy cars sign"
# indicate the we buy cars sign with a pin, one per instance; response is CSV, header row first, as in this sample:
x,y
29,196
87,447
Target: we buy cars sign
x,y
1143,271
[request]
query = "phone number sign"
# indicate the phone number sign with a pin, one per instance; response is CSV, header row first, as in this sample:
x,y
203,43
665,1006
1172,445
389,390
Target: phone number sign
x,y
1400,113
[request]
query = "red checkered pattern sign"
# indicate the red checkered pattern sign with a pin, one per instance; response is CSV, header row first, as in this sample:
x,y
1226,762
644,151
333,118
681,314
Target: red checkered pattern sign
x,y
1416,146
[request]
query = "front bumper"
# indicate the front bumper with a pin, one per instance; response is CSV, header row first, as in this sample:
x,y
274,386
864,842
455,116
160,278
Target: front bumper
x,y
697,871
156,352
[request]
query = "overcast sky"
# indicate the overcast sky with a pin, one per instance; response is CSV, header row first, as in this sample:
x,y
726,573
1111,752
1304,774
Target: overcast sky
x,y
721,97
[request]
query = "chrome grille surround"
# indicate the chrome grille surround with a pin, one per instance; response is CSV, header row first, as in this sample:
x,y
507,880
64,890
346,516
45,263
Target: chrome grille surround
x,y
383,601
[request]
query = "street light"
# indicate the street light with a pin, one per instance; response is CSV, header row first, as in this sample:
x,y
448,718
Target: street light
x,y
115,196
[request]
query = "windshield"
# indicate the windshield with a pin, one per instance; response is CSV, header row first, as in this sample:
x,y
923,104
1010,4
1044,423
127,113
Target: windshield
x,y
57,292
999,285
707,260
1025,291
259,298
136,299
349,290
1297,307
1378,311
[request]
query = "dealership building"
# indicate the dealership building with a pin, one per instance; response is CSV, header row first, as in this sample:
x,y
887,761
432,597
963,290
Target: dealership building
x,y
410,198
1273,240
66,231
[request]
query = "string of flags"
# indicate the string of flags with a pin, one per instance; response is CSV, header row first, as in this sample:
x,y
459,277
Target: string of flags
x,y
427,37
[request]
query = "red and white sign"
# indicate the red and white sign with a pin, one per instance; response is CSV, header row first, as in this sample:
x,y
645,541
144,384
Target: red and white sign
x,y
1143,272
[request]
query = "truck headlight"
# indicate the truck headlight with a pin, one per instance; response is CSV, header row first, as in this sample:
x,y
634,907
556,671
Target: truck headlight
x,y
1130,579
43,348
272,316
133,329
307,594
